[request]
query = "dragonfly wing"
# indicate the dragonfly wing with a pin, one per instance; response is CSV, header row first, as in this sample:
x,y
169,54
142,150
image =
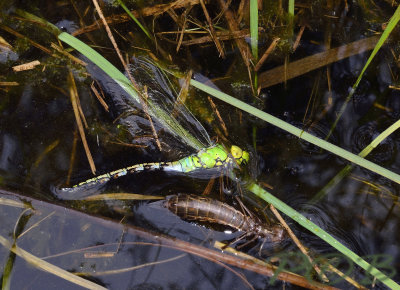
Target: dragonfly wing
x,y
162,91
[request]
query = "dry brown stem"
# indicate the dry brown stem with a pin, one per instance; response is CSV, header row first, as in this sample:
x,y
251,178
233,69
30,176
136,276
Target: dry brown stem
x,y
267,53
147,11
9,84
234,26
221,35
298,243
67,54
212,31
281,74
298,38
216,111
99,97
19,35
26,66
73,96
72,158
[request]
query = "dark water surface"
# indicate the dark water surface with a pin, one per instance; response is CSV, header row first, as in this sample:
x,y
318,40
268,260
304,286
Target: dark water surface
x,y
38,136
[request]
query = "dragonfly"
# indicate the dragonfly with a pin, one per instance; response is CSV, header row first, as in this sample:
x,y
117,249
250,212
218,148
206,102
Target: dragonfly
x,y
208,156
215,157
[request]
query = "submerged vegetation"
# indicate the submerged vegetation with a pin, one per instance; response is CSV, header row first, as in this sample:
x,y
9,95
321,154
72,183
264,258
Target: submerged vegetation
x,y
132,84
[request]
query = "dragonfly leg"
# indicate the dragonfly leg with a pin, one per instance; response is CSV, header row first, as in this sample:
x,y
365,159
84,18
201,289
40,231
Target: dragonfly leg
x,y
241,237
244,208
224,187
227,187
262,245
248,242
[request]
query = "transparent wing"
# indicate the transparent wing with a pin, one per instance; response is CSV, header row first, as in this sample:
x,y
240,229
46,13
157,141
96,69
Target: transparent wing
x,y
161,91
175,126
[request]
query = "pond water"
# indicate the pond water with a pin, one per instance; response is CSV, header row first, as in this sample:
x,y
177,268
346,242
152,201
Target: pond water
x,y
41,149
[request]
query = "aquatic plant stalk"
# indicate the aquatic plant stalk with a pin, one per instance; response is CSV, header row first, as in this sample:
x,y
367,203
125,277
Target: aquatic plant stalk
x,y
298,132
291,20
254,51
291,9
134,19
346,170
390,26
35,19
254,28
296,216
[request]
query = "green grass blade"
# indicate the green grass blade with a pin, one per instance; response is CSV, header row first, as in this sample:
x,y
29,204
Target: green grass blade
x,y
134,19
254,49
347,169
299,218
7,271
385,35
47,25
299,133
379,139
254,28
155,111
291,9
331,184
101,62
291,17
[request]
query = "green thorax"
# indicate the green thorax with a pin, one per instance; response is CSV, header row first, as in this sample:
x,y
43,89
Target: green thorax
x,y
212,157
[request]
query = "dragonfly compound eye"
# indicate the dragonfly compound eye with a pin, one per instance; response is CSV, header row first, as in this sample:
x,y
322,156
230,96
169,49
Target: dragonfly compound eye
x,y
245,157
236,152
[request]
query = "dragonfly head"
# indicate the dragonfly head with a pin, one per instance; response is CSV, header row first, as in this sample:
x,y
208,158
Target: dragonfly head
x,y
240,155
